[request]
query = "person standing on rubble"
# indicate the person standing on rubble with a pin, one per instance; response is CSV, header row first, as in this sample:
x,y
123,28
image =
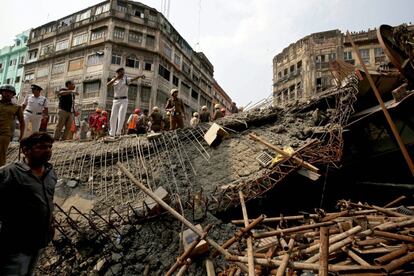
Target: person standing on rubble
x,y
156,120
133,120
120,84
93,122
234,108
102,125
195,120
175,106
26,206
35,107
66,110
142,124
205,115
217,112
8,112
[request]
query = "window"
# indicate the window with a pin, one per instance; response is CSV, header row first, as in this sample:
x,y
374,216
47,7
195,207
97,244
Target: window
x,y
194,94
102,9
299,65
83,16
116,59
185,88
62,45
42,72
150,41
95,59
285,72
91,89
58,68
13,62
132,61
32,54
119,33
47,49
76,64
145,94
1,65
164,72
138,12
347,55
148,66
29,77
98,34
9,81
279,75
80,39
379,52
17,80
175,80
167,50
332,56
292,68
21,61
186,68
135,37
364,55
177,59
121,7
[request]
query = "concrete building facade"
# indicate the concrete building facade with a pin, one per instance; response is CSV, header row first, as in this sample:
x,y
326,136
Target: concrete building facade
x,y
12,59
302,69
88,47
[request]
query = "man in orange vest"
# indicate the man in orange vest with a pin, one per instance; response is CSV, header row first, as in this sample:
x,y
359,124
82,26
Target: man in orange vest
x,y
133,120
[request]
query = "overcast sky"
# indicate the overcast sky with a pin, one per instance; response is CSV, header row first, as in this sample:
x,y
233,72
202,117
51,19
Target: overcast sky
x,y
240,37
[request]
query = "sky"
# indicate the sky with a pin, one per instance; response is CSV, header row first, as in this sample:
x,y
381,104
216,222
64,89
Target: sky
x,y
240,37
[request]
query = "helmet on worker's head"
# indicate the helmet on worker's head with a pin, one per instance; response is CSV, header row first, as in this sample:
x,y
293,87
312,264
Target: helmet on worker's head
x,y
168,113
155,109
104,112
174,90
204,108
8,87
217,106
98,110
195,114
36,87
137,111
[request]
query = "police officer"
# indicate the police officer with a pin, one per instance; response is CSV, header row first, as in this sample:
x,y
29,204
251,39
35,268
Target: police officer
x,y
35,107
175,106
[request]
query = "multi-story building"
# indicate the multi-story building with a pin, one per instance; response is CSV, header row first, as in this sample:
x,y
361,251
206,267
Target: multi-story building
x,y
88,47
220,96
302,69
12,59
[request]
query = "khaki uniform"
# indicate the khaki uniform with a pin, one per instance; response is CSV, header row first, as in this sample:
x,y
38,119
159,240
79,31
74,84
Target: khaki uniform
x,y
177,114
8,112
156,121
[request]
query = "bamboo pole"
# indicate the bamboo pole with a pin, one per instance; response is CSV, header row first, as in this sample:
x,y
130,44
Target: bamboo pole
x,y
285,259
391,256
324,251
384,109
395,201
355,257
284,154
184,256
301,265
393,236
175,213
290,230
249,239
398,262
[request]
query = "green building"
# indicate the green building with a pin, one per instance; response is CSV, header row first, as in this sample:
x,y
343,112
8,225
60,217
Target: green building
x,y
12,59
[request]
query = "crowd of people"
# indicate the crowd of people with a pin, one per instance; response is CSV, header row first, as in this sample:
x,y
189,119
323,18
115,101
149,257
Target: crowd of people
x,y
33,114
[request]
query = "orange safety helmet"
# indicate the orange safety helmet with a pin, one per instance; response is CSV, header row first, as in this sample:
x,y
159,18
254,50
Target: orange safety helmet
x,y
137,111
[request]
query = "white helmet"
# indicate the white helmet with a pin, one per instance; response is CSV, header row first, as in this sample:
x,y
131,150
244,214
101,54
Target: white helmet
x,y
204,108
217,106
195,114
173,91
155,108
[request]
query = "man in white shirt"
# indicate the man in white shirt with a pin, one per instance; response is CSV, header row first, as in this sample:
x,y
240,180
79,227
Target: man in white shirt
x,y
35,107
120,103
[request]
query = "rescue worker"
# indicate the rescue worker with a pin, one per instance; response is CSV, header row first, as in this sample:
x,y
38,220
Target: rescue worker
x,y
234,108
84,127
8,112
35,107
223,111
167,121
217,112
142,124
102,125
26,206
120,84
93,122
66,110
156,120
205,115
175,106
133,120
195,120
